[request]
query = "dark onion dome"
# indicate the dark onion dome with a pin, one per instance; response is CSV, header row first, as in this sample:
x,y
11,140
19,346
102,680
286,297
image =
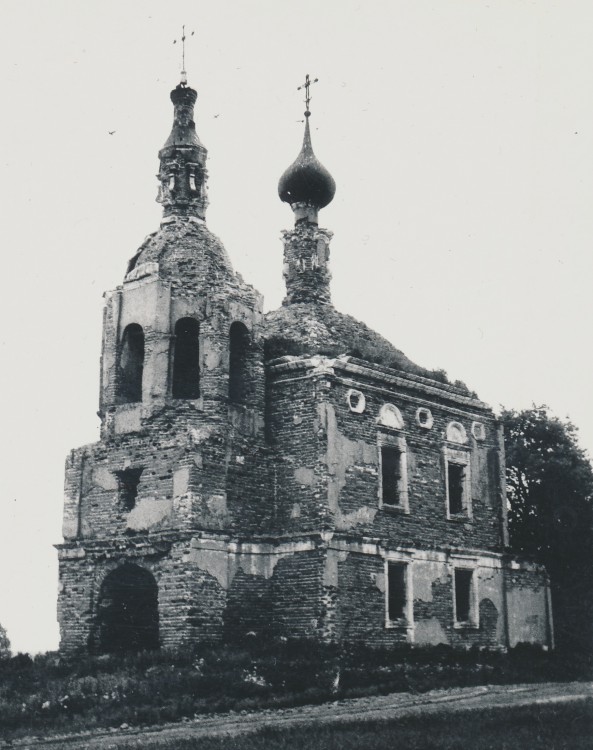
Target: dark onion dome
x,y
307,180
183,132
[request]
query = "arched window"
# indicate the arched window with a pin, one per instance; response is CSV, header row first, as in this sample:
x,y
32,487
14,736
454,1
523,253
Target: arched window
x,y
238,363
127,613
186,359
131,364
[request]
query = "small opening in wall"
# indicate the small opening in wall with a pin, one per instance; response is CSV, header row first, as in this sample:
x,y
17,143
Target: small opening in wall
x,y
356,401
396,591
128,481
390,475
463,591
424,417
455,481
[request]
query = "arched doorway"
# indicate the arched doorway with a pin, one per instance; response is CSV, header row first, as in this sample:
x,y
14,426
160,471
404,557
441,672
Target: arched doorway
x,y
128,615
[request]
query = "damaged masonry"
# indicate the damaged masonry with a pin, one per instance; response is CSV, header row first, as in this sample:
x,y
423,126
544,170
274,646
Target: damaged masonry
x,y
289,474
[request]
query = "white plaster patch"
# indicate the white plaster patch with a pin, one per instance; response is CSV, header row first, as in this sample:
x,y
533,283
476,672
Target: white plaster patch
x,y
212,356
258,565
429,632
213,562
148,512
104,478
127,419
341,453
198,435
216,504
425,574
180,481
330,570
296,511
364,515
378,580
303,475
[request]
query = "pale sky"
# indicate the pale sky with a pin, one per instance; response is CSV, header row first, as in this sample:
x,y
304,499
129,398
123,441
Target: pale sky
x,y
460,136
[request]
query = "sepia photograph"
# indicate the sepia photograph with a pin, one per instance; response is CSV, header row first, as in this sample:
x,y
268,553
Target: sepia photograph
x,y
296,375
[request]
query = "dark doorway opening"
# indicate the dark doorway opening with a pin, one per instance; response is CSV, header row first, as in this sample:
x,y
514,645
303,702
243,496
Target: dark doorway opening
x,y
128,614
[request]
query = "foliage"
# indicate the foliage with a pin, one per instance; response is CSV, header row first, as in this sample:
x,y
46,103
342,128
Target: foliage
x,y
550,490
4,644
52,693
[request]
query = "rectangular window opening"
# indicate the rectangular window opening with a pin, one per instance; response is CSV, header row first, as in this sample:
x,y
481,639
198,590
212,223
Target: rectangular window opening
x,y
396,591
128,481
463,594
455,483
390,475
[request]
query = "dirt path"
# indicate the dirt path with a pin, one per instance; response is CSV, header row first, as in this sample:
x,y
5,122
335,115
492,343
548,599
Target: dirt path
x,y
353,709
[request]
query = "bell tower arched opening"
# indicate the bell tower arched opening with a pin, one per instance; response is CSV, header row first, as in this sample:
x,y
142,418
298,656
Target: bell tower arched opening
x,y
131,365
186,359
128,616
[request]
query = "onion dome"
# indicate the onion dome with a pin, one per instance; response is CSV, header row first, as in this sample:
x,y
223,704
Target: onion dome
x,y
307,181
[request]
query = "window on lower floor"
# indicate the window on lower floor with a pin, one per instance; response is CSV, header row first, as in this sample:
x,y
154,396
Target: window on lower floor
x,y
128,481
397,594
463,595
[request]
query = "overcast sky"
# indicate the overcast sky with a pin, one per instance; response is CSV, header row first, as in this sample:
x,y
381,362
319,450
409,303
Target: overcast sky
x,y
460,136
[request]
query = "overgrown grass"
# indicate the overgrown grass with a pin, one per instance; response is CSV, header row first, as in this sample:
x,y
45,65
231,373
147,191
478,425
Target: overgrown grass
x,y
51,694
564,727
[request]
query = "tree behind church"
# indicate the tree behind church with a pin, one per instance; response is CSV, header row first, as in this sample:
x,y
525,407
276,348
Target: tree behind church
x,y
550,491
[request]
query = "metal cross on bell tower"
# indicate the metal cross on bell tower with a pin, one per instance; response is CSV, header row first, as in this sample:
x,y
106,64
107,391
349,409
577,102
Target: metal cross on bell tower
x,y
183,71
306,86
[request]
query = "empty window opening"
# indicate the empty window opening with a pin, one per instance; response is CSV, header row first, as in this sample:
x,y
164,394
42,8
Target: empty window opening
x,y
238,363
463,594
186,359
390,475
455,483
128,481
396,591
127,611
131,364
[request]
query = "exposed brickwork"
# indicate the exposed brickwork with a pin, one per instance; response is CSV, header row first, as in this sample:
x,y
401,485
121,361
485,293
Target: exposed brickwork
x,y
255,505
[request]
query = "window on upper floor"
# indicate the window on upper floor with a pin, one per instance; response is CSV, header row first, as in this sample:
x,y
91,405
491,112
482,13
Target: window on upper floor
x,y
131,365
127,482
397,593
457,483
465,597
455,486
393,473
239,343
186,360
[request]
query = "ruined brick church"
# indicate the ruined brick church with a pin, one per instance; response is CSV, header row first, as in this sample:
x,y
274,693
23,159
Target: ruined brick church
x,y
282,474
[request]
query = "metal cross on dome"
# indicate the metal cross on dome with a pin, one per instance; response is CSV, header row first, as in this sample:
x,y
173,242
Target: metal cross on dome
x,y
183,37
306,86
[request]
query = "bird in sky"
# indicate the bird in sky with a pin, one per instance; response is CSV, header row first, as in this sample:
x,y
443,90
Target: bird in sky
x,y
111,132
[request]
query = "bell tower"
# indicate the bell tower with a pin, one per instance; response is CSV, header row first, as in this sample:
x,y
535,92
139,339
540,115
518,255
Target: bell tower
x,y
181,462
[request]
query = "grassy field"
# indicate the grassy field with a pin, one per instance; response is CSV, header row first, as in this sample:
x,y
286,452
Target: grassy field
x,y
559,727
51,694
